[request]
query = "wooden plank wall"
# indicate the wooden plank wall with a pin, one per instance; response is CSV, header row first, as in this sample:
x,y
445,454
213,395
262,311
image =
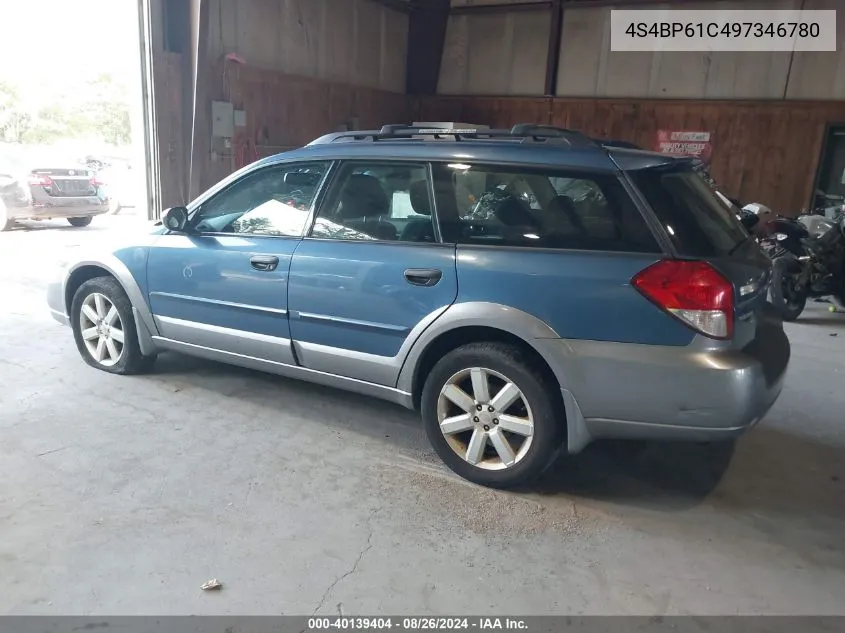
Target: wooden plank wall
x,y
168,101
287,111
762,151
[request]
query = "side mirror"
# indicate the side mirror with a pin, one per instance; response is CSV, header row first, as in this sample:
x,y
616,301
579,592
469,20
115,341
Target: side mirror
x,y
175,219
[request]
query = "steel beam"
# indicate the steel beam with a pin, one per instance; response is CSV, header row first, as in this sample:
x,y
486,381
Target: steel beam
x,y
426,37
553,57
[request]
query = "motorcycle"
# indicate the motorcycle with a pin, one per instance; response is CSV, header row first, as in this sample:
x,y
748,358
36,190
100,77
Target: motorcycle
x,y
808,261
831,206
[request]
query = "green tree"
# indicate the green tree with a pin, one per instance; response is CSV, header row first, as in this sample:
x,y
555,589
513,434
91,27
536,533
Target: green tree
x,y
98,108
12,115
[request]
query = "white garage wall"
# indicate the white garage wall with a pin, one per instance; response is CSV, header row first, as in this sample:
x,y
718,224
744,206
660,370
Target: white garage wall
x,y
353,41
498,53
505,54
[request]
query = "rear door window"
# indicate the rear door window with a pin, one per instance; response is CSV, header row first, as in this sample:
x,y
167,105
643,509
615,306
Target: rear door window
x,y
378,201
697,222
512,206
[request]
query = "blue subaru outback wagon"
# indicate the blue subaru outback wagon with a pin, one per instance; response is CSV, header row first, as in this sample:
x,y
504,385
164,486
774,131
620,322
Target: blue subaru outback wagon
x,y
527,290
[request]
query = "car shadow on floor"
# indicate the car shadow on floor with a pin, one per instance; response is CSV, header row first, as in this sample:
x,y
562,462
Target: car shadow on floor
x,y
48,225
653,475
833,320
324,405
767,473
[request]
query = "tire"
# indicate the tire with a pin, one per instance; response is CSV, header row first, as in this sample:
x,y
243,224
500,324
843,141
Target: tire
x,y
6,223
536,404
80,221
788,307
118,358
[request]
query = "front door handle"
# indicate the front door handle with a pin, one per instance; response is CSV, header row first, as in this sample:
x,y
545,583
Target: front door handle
x,y
264,263
423,276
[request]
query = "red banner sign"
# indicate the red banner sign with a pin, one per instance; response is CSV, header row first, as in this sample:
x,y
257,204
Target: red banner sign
x,y
684,143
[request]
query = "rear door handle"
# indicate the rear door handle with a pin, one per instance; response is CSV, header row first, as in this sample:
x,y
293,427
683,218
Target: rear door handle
x,y
264,263
423,276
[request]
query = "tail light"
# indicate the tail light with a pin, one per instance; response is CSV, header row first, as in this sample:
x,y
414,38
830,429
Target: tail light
x,y
40,179
693,292
95,182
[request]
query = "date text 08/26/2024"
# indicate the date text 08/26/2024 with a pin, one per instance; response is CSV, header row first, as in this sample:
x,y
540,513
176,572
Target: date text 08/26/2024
x,y
415,623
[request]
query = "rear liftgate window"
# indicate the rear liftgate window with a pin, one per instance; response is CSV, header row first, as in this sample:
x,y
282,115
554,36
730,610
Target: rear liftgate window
x,y
698,223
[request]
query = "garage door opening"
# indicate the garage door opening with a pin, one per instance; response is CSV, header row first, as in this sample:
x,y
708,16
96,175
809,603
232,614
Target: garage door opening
x,y
72,116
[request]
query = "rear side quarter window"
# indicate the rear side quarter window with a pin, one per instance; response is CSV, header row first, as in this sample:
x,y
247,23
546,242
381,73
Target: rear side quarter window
x,y
540,208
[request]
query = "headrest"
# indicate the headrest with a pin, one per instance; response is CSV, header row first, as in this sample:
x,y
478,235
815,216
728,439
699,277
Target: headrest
x,y
362,196
561,203
511,212
420,200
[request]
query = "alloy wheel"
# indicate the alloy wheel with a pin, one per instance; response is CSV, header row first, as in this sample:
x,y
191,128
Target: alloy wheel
x,y
485,418
101,329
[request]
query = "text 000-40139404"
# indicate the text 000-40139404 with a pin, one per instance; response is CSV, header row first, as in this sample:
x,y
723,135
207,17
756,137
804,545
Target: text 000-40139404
x,y
415,623
722,30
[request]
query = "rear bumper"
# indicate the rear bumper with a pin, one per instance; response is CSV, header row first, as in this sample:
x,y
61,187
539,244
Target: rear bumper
x,y
46,208
624,391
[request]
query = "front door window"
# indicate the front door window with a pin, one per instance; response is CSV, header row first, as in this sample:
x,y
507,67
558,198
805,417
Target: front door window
x,y
272,201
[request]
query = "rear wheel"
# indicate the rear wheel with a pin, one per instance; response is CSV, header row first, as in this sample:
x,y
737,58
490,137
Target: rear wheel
x,y
80,221
786,298
114,206
490,415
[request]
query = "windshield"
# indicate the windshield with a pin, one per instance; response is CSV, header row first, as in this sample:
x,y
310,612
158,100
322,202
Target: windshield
x,y
698,222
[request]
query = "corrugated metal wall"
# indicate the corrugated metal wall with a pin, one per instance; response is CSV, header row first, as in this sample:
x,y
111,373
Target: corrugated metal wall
x,y
505,54
357,42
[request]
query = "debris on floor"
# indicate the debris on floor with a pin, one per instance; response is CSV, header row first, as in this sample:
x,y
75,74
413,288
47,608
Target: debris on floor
x,y
212,585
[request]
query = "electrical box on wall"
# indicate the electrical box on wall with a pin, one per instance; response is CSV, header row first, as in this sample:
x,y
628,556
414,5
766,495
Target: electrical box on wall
x,y
222,119
240,118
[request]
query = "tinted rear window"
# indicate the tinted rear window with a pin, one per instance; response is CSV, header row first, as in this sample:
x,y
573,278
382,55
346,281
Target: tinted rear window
x,y
698,223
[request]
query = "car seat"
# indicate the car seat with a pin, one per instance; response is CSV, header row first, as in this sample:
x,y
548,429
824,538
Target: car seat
x,y
564,207
418,229
362,204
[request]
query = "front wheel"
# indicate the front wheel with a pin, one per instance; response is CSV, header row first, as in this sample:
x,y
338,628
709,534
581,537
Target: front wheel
x,y
491,416
5,222
786,298
80,221
104,328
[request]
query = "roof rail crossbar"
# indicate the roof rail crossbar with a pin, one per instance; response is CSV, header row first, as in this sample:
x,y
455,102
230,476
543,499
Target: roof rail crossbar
x,y
526,132
544,132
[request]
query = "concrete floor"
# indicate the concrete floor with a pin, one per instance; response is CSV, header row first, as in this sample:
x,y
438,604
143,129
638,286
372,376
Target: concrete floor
x,y
123,495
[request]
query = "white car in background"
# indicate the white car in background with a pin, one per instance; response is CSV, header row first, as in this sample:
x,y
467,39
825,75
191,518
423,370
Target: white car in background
x,y
48,187
123,185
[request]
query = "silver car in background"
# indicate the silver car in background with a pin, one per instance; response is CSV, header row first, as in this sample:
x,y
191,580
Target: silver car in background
x,y
46,189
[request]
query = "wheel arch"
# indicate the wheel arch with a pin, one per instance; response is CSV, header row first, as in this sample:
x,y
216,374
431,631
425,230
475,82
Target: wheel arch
x,y
472,323
85,270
